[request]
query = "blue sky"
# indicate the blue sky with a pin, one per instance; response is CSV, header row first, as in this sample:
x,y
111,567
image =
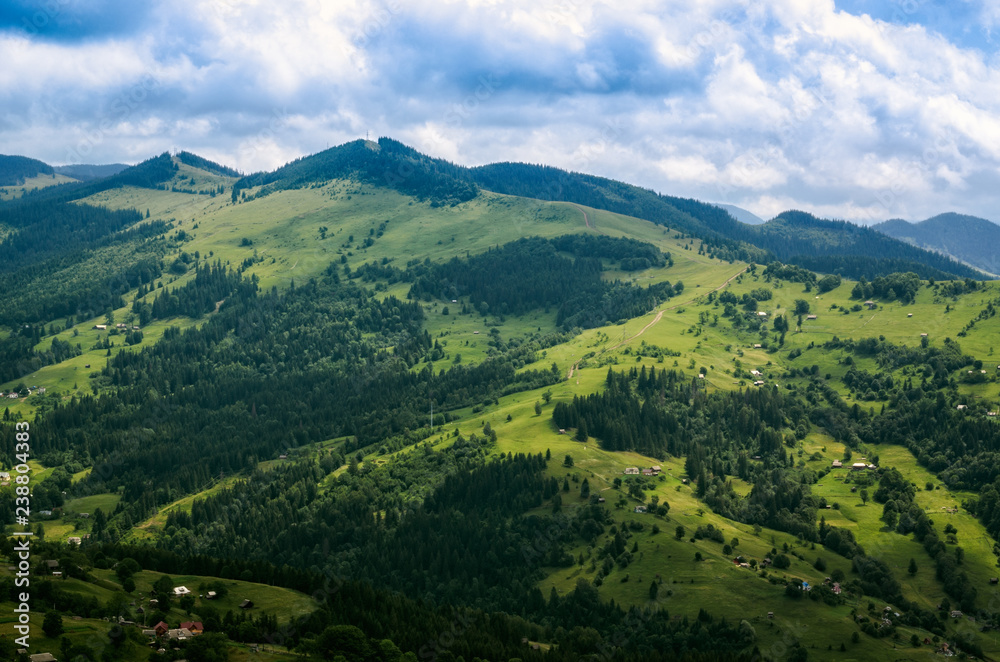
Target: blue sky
x,y
856,109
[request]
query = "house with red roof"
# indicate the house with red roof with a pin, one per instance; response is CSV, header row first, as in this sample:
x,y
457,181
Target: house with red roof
x,y
195,627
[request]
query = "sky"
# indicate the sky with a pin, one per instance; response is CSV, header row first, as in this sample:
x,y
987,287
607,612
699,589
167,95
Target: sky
x,y
856,109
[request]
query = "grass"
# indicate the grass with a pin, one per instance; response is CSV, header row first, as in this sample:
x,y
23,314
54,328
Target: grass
x,y
285,242
285,604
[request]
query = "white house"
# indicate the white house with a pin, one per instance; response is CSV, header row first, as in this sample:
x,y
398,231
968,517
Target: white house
x,y
181,590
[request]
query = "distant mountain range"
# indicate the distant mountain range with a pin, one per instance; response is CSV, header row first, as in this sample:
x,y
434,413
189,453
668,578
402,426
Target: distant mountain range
x,y
970,239
725,231
742,215
85,172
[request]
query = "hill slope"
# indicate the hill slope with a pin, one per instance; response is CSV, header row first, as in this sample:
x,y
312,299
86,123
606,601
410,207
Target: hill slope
x,y
968,238
15,169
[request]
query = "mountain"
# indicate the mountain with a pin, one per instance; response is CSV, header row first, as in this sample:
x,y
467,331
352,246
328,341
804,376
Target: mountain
x,y
829,246
741,215
85,172
14,170
407,416
847,249
386,163
822,245
970,239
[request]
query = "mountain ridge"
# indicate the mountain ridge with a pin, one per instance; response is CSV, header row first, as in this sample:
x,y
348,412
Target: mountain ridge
x,y
820,244
970,239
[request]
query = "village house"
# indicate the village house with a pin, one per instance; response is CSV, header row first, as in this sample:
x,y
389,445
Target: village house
x,y
101,327
631,471
757,346
756,373
961,407
837,464
871,305
909,314
759,382
246,604
647,472
42,657
810,317
161,629
640,509
656,469
181,590
195,627
179,634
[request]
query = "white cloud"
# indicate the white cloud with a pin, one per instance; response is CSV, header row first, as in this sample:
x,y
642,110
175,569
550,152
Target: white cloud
x,y
788,103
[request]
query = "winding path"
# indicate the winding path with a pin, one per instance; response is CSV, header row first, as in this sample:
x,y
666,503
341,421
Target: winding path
x,y
659,315
586,218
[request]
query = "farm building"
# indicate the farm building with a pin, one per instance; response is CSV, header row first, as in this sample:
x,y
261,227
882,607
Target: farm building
x,y
859,466
837,464
631,471
181,590
195,627
810,317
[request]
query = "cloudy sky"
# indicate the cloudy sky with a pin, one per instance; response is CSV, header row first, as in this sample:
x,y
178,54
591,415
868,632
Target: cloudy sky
x,y
856,109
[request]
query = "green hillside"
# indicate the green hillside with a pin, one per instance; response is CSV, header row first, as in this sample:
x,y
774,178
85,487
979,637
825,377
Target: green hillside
x,y
398,416
965,238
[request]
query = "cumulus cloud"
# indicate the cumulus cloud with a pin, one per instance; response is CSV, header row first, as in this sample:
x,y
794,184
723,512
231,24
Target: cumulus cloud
x,y
853,109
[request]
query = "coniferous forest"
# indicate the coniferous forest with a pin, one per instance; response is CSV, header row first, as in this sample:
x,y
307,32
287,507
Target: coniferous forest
x,y
610,438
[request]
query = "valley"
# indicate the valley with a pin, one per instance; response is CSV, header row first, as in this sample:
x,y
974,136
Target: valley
x,y
397,406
